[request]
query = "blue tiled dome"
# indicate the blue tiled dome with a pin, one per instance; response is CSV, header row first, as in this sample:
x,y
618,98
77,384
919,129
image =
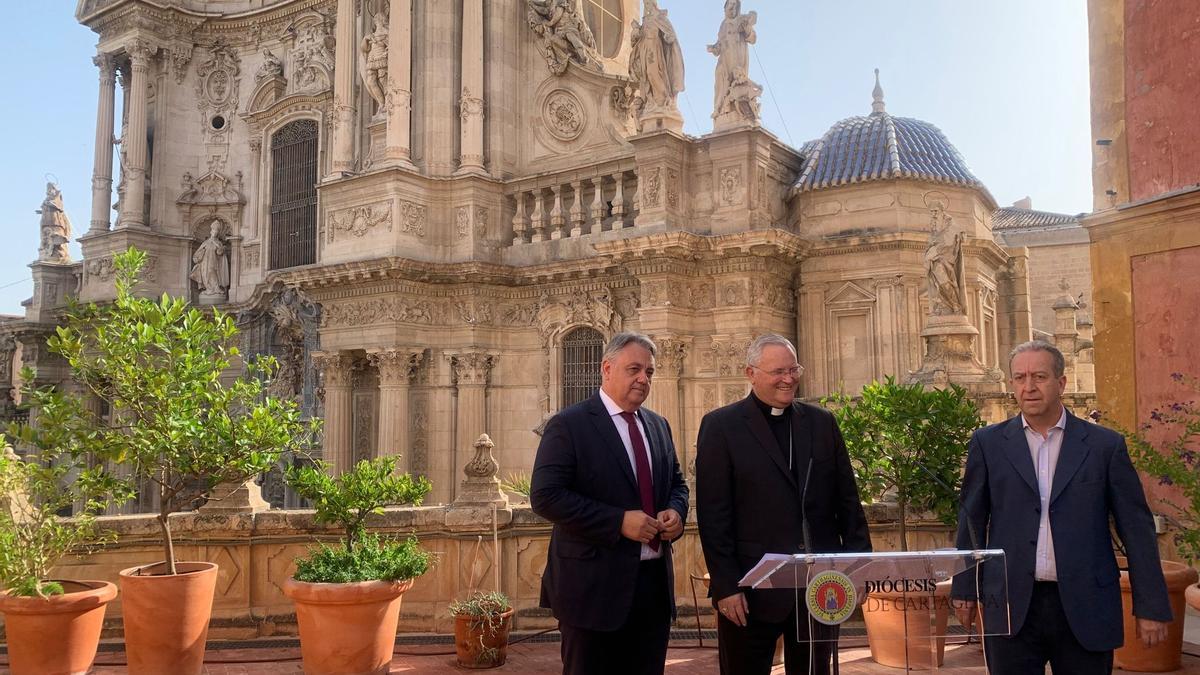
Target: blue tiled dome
x,y
881,147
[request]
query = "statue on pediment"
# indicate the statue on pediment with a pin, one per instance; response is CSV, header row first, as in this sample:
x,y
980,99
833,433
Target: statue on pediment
x,y
944,268
656,62
736,95
373,60
563,33
210,269
55,227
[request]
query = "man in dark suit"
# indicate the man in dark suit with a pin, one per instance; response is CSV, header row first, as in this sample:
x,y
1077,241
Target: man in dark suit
x,y
606,475
767,469
1042,486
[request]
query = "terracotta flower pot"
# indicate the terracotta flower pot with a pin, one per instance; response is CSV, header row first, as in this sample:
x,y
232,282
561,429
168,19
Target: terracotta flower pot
x,y
347,629
480,644
1165,656
56,635
166,617
922,618
1191,595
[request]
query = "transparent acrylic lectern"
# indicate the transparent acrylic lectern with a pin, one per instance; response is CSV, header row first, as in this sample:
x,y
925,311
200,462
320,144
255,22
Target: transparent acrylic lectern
x,y
905,596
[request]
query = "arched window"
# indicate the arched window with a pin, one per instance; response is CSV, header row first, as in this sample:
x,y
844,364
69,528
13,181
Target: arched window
x,y
581,352
604,18
294,195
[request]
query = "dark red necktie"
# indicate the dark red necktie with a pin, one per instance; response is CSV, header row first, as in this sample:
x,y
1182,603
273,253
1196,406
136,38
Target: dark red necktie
x,y
644,478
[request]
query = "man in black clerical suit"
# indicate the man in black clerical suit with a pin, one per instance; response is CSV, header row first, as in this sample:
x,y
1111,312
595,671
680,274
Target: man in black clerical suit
x,y
606,475
767,468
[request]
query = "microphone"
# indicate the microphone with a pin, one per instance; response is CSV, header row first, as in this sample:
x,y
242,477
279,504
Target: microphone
x,y
804,508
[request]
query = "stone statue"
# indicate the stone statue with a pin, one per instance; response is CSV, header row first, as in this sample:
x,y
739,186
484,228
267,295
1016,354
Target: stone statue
x,y
656,61
271,67
210,270
563,33
55,227
373,59
736,96
944,264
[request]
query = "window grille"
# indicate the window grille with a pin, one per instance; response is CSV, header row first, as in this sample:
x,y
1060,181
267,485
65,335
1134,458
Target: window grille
x,y
293,211
582,349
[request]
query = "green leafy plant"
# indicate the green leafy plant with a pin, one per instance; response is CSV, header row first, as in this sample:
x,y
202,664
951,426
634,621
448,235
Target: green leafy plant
x,y
1168,447
160,366
909,440
519,483
33,536
347,500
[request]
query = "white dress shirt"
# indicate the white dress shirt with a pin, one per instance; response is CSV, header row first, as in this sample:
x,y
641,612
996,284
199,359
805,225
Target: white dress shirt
x,y
1045,450
614,413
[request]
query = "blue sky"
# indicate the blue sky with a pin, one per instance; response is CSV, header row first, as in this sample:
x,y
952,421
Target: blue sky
x,y
1006,80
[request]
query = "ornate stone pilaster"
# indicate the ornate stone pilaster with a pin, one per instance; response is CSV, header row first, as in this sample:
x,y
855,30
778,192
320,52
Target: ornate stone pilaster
x,y
102,166
343,89
470,373
667,390
336,374
134,140
471,103
396,367
398,146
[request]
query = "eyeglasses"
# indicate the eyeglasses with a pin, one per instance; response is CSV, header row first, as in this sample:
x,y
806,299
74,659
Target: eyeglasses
x,y
794,371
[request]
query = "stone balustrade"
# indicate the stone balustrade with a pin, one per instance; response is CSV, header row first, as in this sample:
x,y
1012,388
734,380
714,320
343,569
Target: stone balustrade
x,y
256,551
574,203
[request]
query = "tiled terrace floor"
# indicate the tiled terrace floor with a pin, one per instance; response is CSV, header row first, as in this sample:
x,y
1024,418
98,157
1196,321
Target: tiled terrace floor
x,y
537,658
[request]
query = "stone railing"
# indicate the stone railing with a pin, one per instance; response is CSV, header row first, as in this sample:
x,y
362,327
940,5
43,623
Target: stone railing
x,y
574,203
256,552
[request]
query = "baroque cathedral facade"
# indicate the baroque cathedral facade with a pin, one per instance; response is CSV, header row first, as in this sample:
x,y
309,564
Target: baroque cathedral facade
x,y
435,212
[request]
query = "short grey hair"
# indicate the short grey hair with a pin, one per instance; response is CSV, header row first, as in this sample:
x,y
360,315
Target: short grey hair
x,y
622,340
755,350
1060,364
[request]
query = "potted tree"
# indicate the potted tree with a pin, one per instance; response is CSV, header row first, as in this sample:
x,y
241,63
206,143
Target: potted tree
x,y
53,626
481,625
907,444
178,428
348,597
1166,448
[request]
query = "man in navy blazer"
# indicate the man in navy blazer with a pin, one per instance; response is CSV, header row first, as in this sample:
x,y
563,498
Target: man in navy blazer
x,y
1042,486
607,476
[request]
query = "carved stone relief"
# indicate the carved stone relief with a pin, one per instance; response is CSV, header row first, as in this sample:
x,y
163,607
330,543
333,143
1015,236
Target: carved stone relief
x,y
311,59
217,86
412,218
562,33
419,433
730,182
564,115
360,220
101,270
652,189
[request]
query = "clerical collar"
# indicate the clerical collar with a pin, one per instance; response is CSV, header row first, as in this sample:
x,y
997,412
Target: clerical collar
x,y
770,411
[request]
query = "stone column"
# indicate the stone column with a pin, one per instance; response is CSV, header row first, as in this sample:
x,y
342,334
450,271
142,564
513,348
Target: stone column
x,y
1066,336
343,89
134,140
810,327
102,167
471,103
252,204
667,389
398,148
396,366
470,372
335,373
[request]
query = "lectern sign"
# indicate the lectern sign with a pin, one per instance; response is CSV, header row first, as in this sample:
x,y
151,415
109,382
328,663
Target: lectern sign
x,y
831,597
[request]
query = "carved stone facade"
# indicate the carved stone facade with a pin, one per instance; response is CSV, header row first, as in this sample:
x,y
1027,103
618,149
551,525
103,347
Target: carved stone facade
x,y
456,237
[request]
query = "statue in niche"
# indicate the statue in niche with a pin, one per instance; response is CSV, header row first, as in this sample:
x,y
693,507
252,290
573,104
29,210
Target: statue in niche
x,y
55,227
210,269
563,33
944,269
736,95
271,67
656,61
373,60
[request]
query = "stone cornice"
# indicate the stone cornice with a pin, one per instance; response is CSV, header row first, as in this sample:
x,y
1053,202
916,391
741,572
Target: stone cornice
x,y
1150,213
102,16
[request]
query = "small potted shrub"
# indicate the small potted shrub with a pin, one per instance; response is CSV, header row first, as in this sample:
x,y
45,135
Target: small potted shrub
x,y
907,443
1167,448
53,626
179,429
481,625
348,596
